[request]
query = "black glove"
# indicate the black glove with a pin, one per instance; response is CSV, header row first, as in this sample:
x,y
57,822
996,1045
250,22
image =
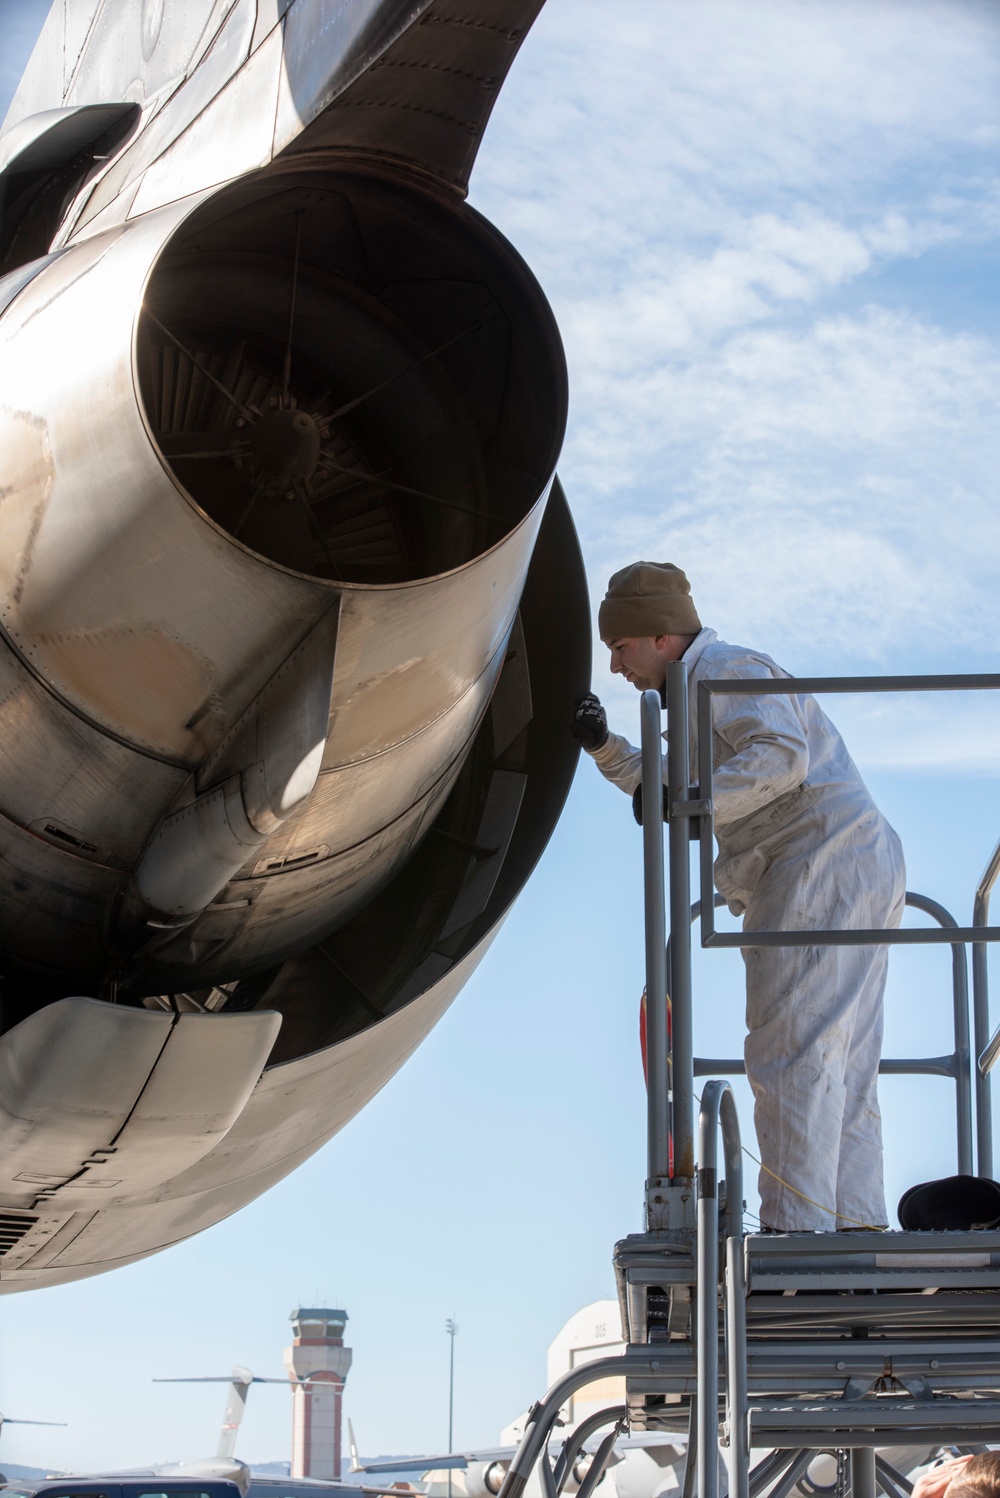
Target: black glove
x,y
590,722
637,804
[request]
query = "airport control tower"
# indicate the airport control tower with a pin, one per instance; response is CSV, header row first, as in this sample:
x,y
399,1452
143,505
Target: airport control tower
x,y
317,1364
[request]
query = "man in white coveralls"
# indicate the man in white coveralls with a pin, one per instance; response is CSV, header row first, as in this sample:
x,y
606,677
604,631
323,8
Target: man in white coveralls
x,y
801,845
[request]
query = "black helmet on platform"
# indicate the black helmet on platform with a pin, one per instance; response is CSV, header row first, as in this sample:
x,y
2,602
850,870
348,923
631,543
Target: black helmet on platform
x,y
956,1203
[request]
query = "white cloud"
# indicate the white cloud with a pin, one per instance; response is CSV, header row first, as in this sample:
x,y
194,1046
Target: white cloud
x,y
722,202
832,493
955,731
716,105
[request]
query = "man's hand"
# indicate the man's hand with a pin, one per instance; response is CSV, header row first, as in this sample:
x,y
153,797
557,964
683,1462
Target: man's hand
x,y
590,722
637,804
932,1483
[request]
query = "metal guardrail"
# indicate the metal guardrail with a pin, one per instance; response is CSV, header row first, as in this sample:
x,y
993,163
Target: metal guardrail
x,y
793,687
670,1199
957,1065
613,1415
694,809
542,1416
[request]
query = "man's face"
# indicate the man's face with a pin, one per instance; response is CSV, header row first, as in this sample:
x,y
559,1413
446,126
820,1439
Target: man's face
x,y
642,660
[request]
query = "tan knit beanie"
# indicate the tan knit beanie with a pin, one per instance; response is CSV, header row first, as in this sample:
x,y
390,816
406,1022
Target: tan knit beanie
x,y
648,598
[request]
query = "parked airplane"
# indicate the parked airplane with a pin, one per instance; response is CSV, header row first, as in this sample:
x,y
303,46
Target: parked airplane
x,y
648,1464
292,612
225,1466
645,1464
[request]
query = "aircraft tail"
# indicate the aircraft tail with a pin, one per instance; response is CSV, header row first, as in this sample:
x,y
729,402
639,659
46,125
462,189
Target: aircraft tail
x,y
239,1382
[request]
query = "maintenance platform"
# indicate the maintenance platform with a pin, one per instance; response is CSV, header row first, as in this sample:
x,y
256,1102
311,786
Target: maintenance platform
x,y
770,1348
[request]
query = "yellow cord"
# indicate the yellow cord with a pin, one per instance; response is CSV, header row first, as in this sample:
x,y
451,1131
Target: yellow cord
x,y
868,1226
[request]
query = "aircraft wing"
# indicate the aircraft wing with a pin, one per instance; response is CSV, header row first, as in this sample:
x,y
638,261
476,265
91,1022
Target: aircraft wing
x,y
454,1461
12,1420
458,1460
223,1378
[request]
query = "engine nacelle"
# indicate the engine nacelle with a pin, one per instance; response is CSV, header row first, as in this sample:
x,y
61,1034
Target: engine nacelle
x,y
485,1479
261,566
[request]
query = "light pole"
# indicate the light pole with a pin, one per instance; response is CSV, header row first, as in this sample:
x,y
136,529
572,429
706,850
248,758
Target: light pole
x,y
451,1327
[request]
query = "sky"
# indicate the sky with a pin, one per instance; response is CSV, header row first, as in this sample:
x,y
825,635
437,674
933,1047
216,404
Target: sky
x,y
769,236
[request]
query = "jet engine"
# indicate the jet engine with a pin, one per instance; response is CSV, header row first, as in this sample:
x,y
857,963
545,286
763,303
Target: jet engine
x,y
292,616
260,569
484,1479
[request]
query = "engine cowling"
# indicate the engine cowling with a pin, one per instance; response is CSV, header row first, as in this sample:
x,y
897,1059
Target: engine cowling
x,y
330,408
485,1479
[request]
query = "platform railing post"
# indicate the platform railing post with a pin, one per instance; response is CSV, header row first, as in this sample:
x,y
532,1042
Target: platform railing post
x,y
737,1400
679,845
707,1307
719,1107
981,1018
658,1100
863,1472
981,1036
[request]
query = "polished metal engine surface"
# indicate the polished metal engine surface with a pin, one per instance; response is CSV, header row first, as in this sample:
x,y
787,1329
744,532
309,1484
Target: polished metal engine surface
x,y
291,608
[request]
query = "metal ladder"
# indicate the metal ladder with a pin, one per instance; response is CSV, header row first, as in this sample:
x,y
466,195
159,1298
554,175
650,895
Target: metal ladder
x,y
790,1343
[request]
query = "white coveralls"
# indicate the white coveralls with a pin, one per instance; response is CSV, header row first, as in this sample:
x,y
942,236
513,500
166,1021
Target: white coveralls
x,y
801,844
